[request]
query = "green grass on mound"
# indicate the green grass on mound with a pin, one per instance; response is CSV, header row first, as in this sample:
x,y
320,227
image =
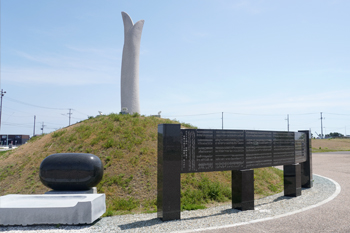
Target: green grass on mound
x,y
127,146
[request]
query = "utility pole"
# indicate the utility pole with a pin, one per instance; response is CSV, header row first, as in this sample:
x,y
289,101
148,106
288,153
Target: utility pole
x,y
287,122
2,94
322,126
34,126
222,120
325,132
42,128
70,113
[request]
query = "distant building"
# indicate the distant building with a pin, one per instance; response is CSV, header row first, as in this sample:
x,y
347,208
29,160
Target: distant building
x,y
15,140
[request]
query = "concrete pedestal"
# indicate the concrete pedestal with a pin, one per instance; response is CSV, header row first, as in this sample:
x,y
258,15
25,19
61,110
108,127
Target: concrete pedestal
x,y
292,180
70,209
243,189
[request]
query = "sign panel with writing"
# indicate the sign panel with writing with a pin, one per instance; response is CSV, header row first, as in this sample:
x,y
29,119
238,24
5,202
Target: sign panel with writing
x,y
220,150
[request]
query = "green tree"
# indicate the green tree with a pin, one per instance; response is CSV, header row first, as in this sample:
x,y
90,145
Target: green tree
x,y
334,135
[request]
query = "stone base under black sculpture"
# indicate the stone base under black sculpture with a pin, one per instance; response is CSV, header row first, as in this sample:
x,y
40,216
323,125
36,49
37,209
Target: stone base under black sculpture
x,y
69,209
74,200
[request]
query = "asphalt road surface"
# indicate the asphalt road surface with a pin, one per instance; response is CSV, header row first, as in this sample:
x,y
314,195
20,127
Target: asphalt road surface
x,y
333,216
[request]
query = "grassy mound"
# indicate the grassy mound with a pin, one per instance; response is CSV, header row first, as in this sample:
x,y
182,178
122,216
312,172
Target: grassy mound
x,y
127,146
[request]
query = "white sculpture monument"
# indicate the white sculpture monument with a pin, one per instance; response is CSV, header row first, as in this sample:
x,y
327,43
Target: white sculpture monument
x,y
130,64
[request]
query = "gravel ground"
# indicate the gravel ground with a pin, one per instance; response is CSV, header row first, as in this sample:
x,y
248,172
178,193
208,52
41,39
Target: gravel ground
x,y
265,208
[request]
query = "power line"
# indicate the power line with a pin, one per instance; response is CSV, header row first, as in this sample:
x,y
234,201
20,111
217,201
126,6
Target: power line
x,y
195,114
34,126
287,122
70,109
33,105
70,114
2,94
321,126
17,110
53,123
11,123
42,128
81,112
297,114
251,114
338,114
77,118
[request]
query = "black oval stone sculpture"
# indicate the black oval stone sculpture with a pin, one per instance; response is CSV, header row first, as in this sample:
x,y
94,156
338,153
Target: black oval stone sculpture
x,y
71,171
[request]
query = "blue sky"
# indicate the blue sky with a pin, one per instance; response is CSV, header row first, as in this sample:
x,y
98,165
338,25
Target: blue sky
x,y
256,61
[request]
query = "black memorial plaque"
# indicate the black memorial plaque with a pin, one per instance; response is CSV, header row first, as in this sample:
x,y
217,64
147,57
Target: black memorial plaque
x,y
259,147
206,150
306,167
300,147
229,150
222,150
212,150
284,148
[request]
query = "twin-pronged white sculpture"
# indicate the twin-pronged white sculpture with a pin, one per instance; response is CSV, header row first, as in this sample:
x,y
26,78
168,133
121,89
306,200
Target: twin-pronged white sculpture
x,y
130,64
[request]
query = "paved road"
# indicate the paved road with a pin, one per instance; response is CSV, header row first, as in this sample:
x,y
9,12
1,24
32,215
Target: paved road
x,y
6,148
333,216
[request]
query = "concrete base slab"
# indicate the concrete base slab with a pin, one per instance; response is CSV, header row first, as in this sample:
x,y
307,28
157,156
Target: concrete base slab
x,y
17,209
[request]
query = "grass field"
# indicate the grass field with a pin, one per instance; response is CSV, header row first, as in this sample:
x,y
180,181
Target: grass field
x,y
328,145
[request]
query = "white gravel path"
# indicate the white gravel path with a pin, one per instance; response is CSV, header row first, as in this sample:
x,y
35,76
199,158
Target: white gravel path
x,y
266,208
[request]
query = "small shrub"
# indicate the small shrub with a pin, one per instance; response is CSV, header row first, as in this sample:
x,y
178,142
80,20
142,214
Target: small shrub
x,y
117,154
57,134
125,204
134,160
115,117
110,143
147,171
187,125
3,153
189,206
150,205
88,150
273,187
108,213
94,141
136,114
36,138
72,138
108,165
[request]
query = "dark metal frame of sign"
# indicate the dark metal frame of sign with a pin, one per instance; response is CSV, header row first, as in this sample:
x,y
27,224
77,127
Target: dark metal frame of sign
x,y
206,150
